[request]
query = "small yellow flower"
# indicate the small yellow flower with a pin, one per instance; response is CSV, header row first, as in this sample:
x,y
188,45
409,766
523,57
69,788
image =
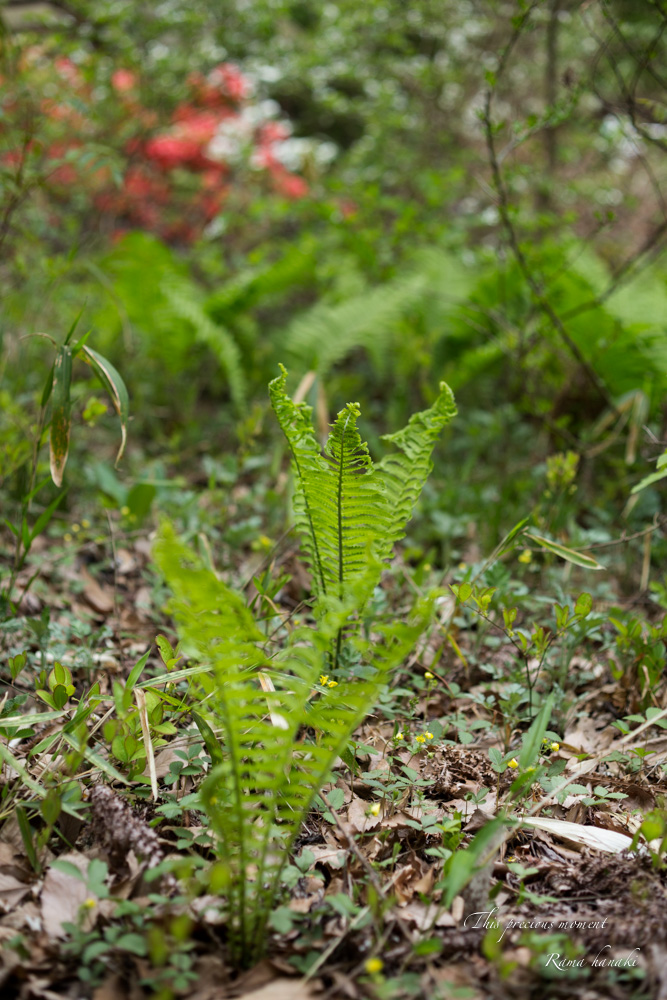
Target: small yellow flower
x,y
428,736
399,736
85,523
67,537
420,739
125,510
90,903
462,566
374,966
555,746
76,528
428,675
374,810
513,763
526,556
332,684
324,679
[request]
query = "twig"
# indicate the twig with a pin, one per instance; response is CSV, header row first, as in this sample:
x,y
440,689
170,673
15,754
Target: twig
x,y
504,209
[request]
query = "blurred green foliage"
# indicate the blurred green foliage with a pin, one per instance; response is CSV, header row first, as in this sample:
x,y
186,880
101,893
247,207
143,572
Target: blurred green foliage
x,y
400,267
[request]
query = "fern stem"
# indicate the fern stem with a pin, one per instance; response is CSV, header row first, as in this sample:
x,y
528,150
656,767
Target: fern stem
x,y
341,564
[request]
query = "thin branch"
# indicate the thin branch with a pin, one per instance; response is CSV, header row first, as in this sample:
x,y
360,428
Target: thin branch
x,y
536,288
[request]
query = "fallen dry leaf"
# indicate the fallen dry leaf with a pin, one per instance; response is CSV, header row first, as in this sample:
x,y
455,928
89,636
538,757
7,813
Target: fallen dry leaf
x,y
282,989
12,891
359,817
99,598
587,836
63,895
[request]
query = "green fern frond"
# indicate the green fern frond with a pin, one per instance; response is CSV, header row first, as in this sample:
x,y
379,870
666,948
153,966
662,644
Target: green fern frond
x,y
340,507
404,474
258,797
327,333
185,303
347,510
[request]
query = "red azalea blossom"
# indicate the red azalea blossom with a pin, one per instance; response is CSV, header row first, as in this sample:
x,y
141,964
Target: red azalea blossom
x,y
273,132
151,196
231,81
67,70
169,151
290,185
200,126
123,80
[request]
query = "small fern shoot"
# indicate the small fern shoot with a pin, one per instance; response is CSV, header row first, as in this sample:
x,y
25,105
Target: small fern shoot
x,y
349,512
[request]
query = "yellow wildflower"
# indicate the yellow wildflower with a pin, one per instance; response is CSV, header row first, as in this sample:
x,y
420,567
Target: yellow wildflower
x,y
513,763
428,675
76,528
85,523
374,810
526,556
428,736
399,736
420,739
555,746
125,510
67,537
374,966
332,684
324,679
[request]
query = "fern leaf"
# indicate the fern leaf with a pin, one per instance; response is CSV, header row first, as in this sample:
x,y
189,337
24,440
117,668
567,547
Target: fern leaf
x,y
186,305
310,472
327,333
405,473
360,508
261,792
340,508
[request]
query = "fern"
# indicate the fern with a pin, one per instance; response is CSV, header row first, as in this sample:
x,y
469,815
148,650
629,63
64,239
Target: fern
x,y
327,333
185,303
347,510
258,797
404,474
262,690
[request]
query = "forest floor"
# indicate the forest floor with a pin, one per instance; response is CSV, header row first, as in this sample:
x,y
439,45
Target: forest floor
x,y
561,906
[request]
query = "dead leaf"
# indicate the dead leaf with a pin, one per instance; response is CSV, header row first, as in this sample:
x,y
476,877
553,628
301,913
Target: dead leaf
x,y
282,989
63,895
587,836
359,817
422,916
100,598
125,562
12,891
332,857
